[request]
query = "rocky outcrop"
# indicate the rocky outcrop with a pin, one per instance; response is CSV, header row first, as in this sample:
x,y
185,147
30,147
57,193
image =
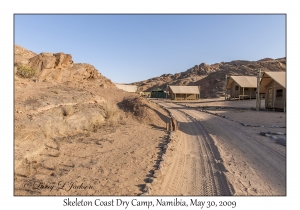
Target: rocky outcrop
x,y
58,67
51,66
22,55
50,61
83,71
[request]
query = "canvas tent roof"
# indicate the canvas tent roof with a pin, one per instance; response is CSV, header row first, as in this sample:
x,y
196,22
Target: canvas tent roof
x,y
243,81
157,90
185,89
267,77
127,88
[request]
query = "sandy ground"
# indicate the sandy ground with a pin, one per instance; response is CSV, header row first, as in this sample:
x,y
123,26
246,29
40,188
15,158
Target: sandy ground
x,y
218,156
108,162
65,144
220,102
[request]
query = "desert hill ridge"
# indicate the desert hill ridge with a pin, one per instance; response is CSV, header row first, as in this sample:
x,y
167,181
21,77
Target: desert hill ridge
x,y
71,124
211,78
22,55
58,67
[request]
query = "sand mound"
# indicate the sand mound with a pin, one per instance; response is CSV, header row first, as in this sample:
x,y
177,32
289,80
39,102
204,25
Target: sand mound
x,y
144,110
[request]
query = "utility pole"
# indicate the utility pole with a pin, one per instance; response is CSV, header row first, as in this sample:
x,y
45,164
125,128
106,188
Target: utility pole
x,y
225,87
257,90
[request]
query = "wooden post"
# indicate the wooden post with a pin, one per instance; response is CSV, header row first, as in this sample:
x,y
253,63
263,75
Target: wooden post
x,y
274,96
174,124
257,90
243,93
167,126
259,105
283,95
234,91
225,87
283,102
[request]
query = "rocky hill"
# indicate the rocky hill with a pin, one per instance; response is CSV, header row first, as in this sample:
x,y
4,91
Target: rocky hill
x,y
73,125
57,67
211,78
22,55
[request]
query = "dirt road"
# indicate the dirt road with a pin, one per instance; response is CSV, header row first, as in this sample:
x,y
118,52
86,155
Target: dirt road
x,y
215,156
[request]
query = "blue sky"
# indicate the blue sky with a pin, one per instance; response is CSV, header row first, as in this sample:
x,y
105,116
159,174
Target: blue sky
x,y
131,48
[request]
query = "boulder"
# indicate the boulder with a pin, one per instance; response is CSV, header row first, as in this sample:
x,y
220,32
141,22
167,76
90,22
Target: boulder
x,y
50,61
59,67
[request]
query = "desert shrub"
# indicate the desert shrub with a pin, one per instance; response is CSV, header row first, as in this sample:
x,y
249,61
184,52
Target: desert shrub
x,y
56,91
113,115
68,110
94,126
26,72
111,110
113,122
135,105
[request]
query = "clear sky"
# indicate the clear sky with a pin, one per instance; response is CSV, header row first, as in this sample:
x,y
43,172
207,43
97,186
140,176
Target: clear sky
x,y
131,48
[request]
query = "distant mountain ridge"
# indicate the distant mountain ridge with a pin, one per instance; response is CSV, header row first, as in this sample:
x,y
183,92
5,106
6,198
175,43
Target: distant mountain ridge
x,y
211,78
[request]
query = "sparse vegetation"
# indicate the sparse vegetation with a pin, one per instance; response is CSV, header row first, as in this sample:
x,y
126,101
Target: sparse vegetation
x,y
56,91
135,105
26,72
110,109
68,110
95,126
113,122
113,115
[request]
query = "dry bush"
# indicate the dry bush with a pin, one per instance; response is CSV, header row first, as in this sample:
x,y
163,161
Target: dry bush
x,y
114,116
117,120
95,126
144,111
110,109
68,110
56,91
113,122
26,72
135,105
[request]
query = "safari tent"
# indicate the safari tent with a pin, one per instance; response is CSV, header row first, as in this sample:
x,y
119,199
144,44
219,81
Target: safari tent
x,y
273,84
240,87
158,93
184,92
127,88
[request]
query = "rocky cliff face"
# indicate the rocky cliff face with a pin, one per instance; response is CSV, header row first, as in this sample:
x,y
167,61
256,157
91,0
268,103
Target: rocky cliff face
x,y
211,78
22,55
58,67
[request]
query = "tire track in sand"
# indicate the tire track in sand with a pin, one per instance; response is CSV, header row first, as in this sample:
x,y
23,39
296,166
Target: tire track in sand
x,y
192,169
260,168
